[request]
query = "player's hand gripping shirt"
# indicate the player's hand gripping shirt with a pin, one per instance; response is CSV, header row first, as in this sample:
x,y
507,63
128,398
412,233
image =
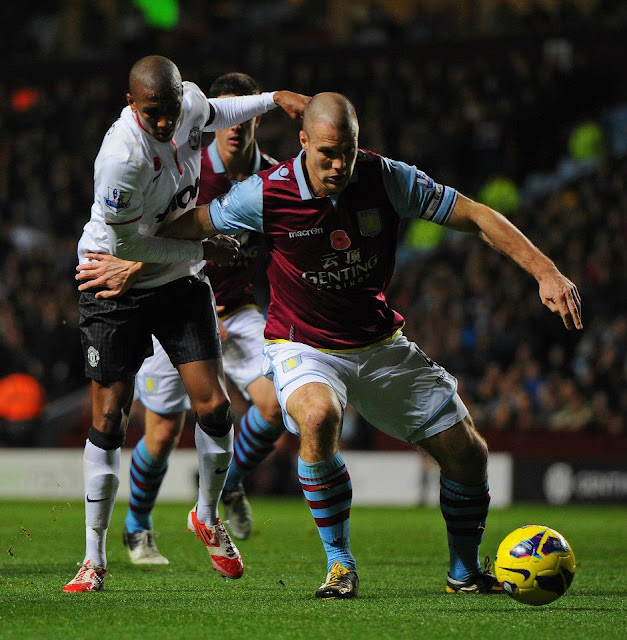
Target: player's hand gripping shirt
x,y
141,184
232,284
331,258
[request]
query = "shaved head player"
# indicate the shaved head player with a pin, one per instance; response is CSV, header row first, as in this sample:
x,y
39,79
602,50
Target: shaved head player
x,y
330,217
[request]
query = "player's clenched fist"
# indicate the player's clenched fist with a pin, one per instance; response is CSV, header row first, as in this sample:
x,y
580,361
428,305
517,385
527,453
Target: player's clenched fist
x,y
221,249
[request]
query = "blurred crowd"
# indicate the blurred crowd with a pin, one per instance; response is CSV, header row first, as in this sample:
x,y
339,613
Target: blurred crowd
x,y
503,108
106,28
476,313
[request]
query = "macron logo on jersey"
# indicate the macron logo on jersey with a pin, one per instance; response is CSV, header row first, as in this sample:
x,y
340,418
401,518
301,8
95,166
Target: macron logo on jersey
x,y
117,199
305,232
281,173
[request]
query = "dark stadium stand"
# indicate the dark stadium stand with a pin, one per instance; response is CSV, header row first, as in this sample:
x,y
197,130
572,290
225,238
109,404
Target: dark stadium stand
x,y
462,108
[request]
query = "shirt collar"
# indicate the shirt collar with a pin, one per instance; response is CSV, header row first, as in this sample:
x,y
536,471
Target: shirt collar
x,y
303,187
299,173
218,165
216,160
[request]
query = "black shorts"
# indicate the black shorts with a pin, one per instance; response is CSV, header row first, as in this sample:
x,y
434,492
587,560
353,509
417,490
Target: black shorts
x,y
116,332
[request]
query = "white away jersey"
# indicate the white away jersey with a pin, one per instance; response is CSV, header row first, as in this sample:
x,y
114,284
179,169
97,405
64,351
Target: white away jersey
x,y
141,185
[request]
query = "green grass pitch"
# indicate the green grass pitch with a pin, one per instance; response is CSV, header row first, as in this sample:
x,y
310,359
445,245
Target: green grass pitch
x,y
402,558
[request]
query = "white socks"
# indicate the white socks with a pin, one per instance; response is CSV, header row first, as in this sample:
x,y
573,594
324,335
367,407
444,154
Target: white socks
x,y
101,470
214,458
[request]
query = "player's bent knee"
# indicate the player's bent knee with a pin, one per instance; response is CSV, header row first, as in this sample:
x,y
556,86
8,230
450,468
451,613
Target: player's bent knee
x,y
320,433
219,422
320,421
106,441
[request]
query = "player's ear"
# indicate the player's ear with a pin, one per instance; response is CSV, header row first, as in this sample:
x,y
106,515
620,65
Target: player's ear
x,y
302,137
131,102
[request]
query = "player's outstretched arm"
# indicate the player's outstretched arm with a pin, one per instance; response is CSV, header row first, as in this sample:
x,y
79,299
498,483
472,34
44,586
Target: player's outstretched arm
x,y
557,292
226,112
292,103
194,224
116,276
240,209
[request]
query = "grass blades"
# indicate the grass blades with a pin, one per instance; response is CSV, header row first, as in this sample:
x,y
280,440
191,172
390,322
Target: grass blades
x,y
402,556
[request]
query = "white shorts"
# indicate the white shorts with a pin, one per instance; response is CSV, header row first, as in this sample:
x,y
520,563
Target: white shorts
x,y
158,384
394,385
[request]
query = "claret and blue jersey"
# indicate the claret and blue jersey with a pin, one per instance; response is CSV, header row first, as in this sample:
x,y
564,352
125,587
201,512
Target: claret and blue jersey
x,y
332,257
233,285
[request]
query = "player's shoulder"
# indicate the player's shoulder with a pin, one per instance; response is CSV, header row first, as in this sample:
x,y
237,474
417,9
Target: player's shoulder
x,y
123,157
119,135
369,163
279,172
366,156
123,136
192,91
281,179
367,159
194,100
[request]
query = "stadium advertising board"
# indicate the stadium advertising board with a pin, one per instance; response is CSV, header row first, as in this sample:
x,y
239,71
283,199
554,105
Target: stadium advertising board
x,y
570,482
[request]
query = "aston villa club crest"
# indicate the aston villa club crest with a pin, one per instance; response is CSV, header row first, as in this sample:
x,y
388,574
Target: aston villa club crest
x,y
369,222
117,199
194,138
291,363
